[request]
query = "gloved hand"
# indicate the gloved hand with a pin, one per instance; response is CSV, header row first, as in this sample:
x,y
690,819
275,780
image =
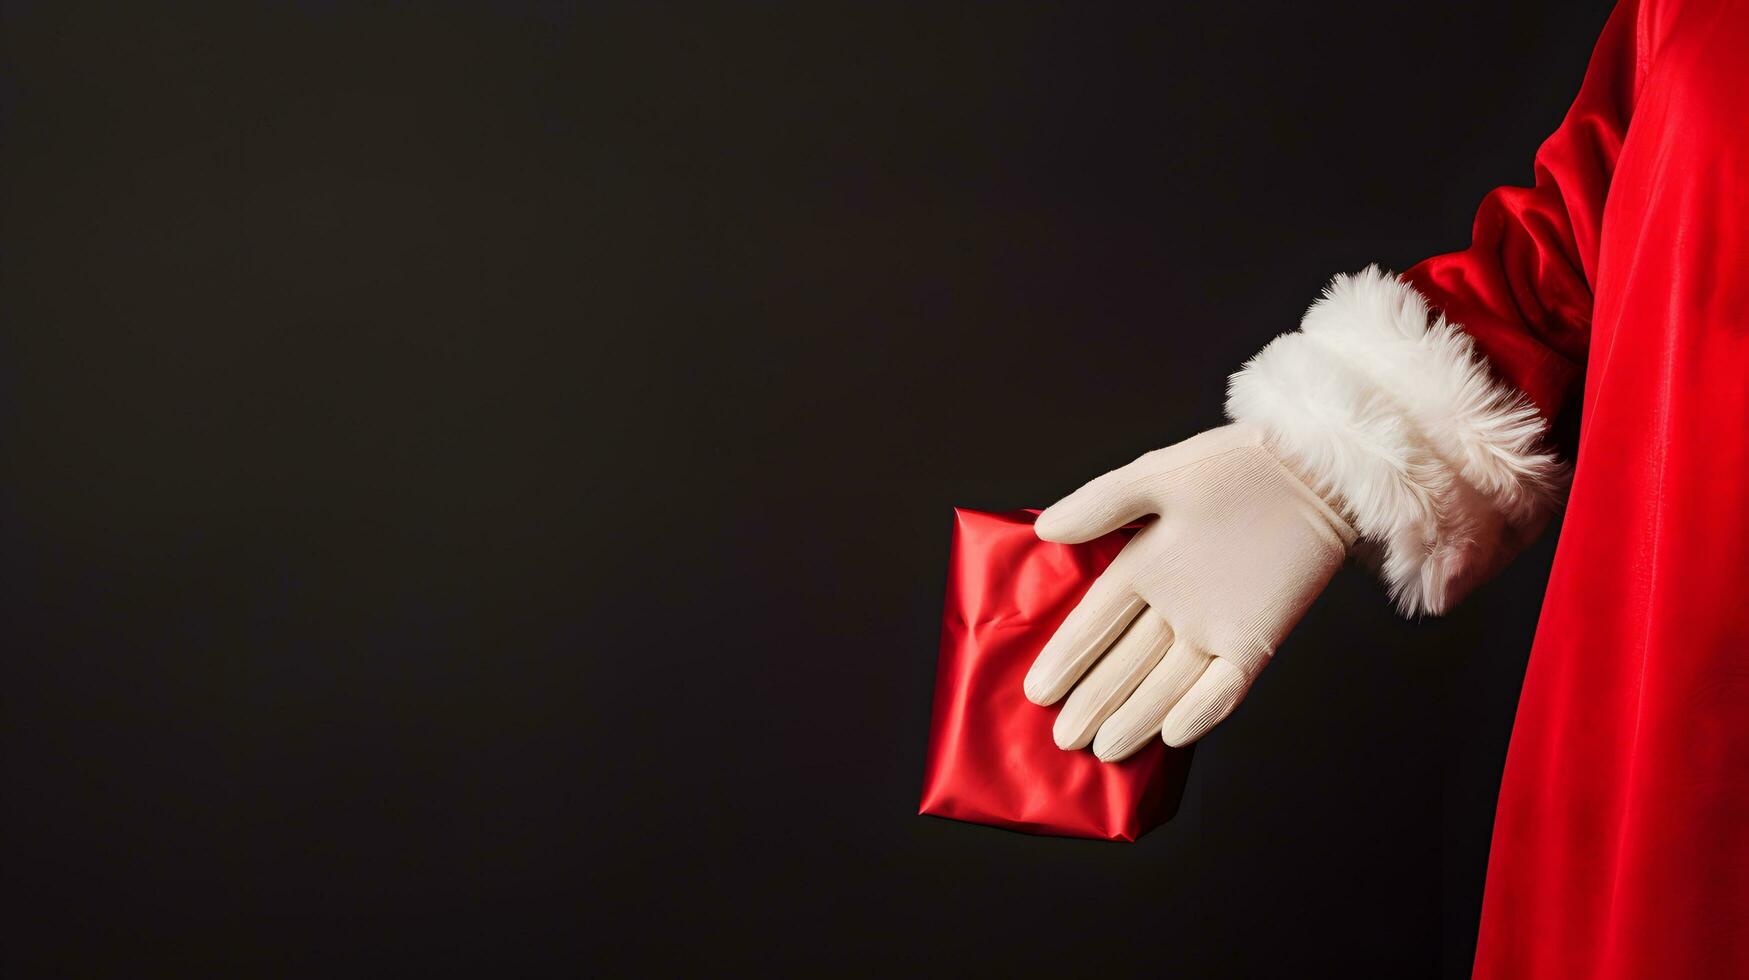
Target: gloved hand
x,y
1193,608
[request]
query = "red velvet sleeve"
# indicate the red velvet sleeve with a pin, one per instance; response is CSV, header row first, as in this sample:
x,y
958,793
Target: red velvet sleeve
x,y
1523,288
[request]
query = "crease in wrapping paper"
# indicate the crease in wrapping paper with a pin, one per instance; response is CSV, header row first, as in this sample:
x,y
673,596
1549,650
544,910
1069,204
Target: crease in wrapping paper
x,y
991,757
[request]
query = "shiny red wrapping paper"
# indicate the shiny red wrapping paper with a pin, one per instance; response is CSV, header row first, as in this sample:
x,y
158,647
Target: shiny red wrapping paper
x,y
991,756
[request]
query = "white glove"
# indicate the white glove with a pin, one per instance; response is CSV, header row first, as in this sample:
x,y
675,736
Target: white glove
x,y
1193,608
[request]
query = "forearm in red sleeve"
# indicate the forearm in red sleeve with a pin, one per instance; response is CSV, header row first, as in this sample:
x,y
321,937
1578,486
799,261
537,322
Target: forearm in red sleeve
x,y
1422,401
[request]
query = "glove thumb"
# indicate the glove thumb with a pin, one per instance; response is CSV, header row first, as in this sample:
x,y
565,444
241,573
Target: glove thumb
x,y
1103,505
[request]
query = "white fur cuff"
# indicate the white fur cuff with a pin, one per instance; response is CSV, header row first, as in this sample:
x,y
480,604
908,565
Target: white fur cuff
x,y
1394,414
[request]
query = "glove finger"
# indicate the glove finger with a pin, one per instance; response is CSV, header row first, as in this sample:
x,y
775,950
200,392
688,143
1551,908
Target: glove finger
x,y
1089,629
1216,693
1111,680
1100,507
1137,720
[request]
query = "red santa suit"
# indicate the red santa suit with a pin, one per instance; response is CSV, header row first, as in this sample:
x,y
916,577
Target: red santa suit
x,y
1621,843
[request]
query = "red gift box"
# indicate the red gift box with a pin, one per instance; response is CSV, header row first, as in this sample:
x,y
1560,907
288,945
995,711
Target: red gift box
x,y
991,756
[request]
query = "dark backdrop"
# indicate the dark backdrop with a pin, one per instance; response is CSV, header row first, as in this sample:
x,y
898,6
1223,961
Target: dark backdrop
x,y
477,476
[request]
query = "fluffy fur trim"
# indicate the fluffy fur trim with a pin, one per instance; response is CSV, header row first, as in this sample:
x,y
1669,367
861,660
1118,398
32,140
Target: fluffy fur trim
x,y
1391,412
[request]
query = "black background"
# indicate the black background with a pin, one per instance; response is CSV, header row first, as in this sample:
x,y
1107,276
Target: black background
x,y
478,475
